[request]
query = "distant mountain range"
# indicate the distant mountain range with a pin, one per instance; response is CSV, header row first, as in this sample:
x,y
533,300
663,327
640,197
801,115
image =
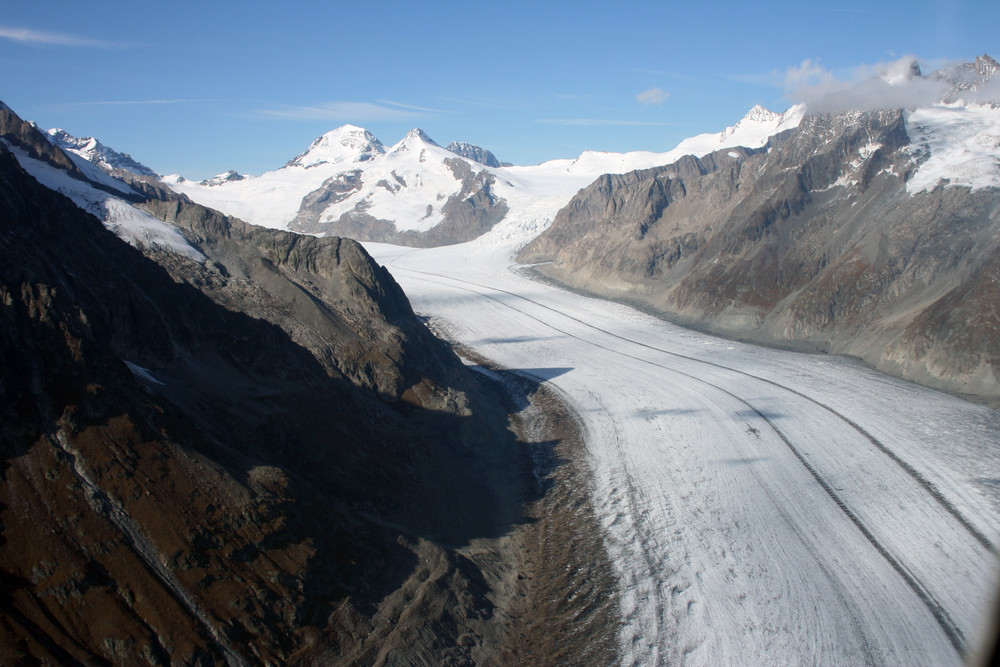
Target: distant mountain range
x,y
418,193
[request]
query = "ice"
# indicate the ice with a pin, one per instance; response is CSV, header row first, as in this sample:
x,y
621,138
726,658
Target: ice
x,y
963,142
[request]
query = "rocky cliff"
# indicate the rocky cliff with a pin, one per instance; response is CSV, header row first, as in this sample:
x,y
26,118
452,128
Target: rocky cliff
x,y
842,235
475,153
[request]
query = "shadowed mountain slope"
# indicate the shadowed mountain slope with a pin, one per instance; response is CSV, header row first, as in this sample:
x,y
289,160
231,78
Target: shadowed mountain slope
x,y
183,481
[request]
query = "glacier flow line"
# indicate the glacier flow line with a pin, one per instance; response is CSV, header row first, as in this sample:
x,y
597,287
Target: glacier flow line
x,y
915,474
937,611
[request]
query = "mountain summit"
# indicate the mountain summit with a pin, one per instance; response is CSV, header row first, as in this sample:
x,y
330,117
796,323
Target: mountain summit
x,y
345,144
415,139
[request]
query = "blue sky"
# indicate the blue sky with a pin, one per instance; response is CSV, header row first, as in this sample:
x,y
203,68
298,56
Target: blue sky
x,y
200,88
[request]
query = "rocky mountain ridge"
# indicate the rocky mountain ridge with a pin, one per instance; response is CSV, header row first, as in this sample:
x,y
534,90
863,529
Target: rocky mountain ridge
x,y
476,154
820,241
94,151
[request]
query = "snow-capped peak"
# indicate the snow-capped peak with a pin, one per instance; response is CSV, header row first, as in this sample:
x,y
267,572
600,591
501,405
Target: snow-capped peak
x,y
759,114
94,151
227,177
760,123
347,143
415,139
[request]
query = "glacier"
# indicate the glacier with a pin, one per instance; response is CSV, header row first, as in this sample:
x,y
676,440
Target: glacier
x,y
760,506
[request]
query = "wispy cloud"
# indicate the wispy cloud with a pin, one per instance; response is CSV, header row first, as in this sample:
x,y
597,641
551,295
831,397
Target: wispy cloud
x,y
653,96
883,85
485,104
599,122
29,36
411,107
112,103
346,111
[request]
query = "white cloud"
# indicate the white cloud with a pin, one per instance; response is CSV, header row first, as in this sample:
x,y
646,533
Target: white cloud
x,y
807,73
28,36
653,96
883,85
345,111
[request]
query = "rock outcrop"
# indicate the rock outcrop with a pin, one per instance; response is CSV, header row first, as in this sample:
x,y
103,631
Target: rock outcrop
x,y
475,153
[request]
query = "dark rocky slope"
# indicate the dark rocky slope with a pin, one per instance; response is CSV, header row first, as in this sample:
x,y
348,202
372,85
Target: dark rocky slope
x,y
813,242
265,458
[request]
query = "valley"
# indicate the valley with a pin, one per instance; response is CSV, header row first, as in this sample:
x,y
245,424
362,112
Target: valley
x,y
412,404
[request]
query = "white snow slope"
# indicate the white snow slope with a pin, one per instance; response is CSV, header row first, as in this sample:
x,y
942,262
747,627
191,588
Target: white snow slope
x,y
760,506
963,142
138,228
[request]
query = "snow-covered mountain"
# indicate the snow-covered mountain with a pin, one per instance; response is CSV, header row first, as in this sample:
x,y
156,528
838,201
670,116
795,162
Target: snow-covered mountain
x,y
273,198
78,176
418,193
752,131
94,151
344,145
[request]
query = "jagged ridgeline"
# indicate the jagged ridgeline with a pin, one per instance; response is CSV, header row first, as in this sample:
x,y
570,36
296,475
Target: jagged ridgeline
x,y
869,233
247,451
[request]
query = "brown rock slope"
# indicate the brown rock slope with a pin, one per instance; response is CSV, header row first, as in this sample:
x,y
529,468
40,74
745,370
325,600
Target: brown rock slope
x,y
185,482
812,242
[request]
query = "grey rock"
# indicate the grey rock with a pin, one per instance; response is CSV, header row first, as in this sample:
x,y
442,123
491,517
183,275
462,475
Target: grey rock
x,y
268,446
474,153
227,177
